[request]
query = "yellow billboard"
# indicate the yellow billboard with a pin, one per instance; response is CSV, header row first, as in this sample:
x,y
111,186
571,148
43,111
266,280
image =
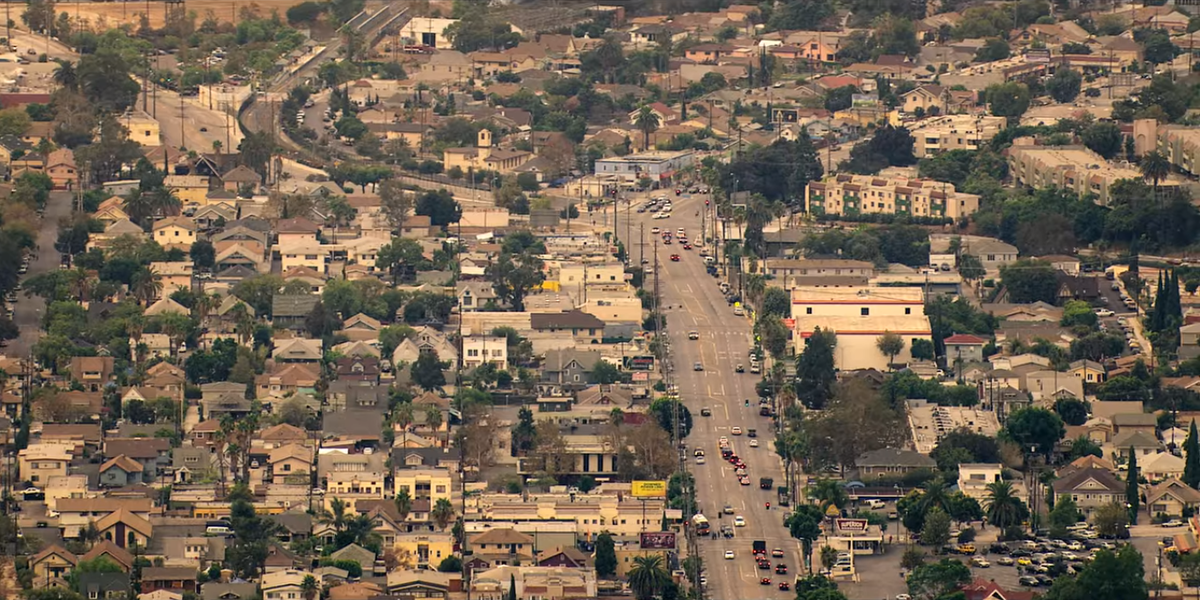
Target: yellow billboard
x,y
649,489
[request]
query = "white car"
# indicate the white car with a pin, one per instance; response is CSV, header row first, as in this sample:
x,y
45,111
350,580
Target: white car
x,y
753,443
729,555
737,311
655,230
736,431
738,521
699,460
1104,312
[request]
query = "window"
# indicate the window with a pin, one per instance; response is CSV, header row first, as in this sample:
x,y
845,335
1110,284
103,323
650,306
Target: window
x,y
864,311
908,311
808,310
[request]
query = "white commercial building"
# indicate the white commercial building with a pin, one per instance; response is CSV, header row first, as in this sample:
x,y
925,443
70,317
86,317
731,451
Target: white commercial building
x,y
860,316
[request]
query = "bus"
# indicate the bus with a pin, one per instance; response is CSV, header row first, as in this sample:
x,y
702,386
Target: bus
x,y
701,524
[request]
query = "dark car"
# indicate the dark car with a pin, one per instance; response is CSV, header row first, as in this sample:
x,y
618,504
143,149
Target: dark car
x,y
781,569
1045,580
1028,581
766,581
784,586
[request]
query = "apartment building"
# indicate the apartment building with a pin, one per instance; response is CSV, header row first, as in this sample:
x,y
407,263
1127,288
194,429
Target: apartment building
x,y
1075,168
859,316
854,195
1181,145
39,462
954,132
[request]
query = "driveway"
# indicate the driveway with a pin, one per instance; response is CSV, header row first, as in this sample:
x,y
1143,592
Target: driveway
x,y
29,310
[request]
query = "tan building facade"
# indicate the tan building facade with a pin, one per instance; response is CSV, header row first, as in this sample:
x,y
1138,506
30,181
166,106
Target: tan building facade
x,y
855,195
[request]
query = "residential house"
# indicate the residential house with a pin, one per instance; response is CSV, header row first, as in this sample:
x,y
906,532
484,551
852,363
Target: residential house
x,y
174,232
297,350
240,177
412,583
111,552
287,378
92,372
103,586
51,566
964,348
290,310
283,585
1173,498
512,545
290,464
1091,488
1088,371
153,453
60,166
891,462
37,463
974,479
568,368
1160,466
125,529
121,471
172,579
475,295
361,328
365,558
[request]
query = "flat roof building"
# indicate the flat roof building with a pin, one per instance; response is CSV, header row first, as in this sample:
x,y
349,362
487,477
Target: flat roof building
x,y
1074,168
954,132
854,195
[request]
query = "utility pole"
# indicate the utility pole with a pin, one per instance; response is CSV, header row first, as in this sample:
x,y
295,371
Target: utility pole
x,y
642,247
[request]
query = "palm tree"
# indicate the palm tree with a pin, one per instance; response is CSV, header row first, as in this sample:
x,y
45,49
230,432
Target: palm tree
x,y
139,206
755,287
336,515
1002,507
442,513
433,419
309,587
647,576
830,493
361,529
403,503
65,75
243,322
934,495
647,121
1155,167
165,202
403,416
144,286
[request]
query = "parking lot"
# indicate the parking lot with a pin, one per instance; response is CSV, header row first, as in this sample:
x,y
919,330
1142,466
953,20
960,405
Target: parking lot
x,y
880,576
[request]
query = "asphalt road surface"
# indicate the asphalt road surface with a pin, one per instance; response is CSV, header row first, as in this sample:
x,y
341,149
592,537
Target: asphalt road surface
x,y
696,304
30,309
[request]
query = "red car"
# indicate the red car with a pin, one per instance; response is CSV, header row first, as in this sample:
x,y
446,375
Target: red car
x,y
766,581
687,246
678,192
784,586
674,258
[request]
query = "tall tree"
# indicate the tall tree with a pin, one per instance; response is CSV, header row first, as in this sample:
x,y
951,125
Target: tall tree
x,y
1155,167
514,276
647,121
1191,452
648,576
606,555
1002,506
891,345
815,374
